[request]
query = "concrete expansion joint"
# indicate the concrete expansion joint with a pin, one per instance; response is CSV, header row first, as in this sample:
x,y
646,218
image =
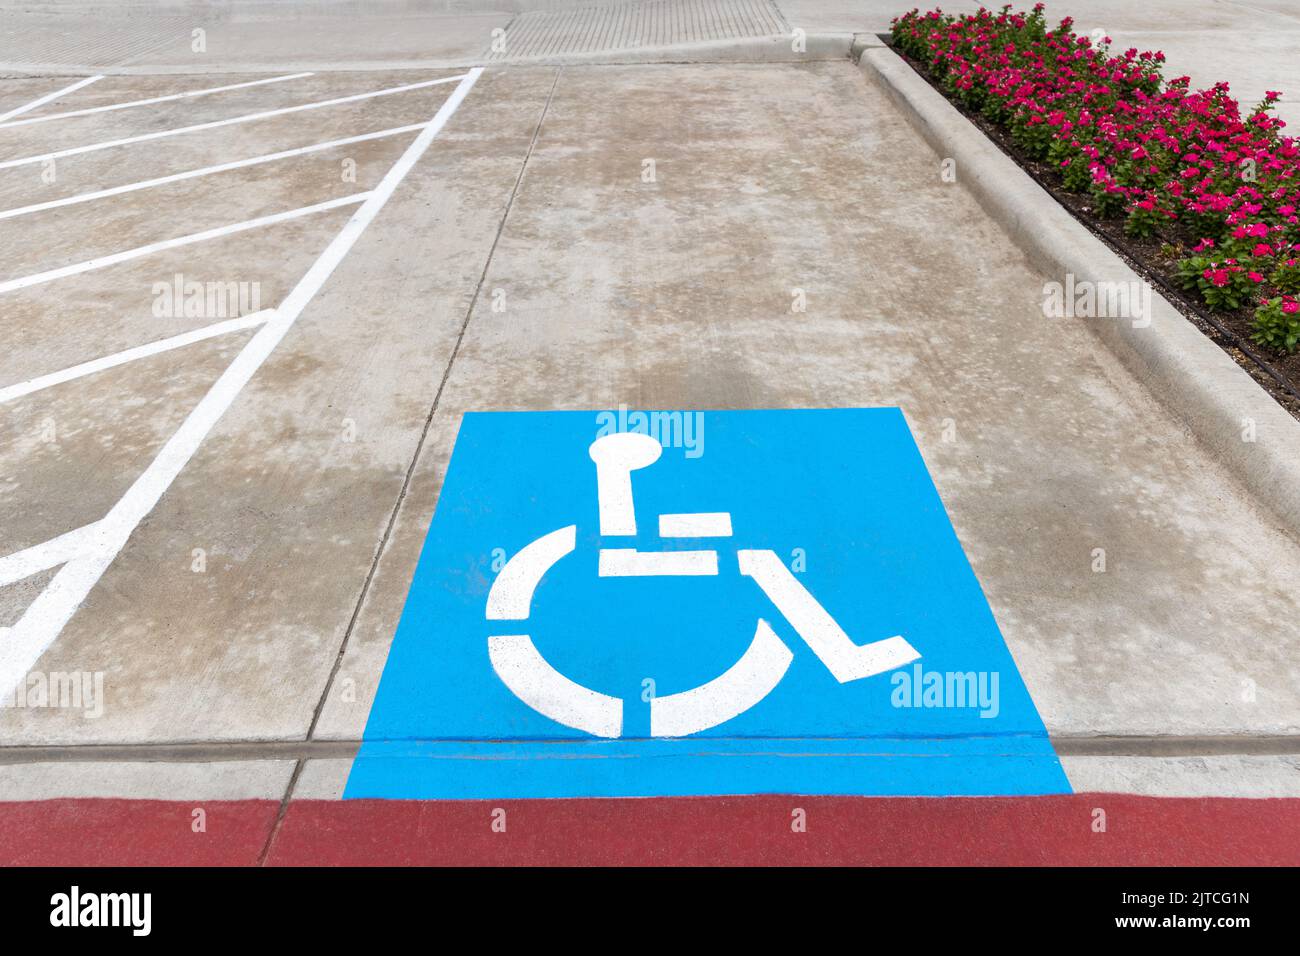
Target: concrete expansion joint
x,y
428,422
862,42
1100,745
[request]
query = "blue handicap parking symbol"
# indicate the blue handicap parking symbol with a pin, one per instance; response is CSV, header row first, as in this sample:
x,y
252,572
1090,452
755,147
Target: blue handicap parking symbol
x,y
685,603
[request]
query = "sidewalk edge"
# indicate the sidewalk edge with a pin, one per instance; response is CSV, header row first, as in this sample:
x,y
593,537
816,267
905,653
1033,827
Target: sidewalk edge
x,y
1190,374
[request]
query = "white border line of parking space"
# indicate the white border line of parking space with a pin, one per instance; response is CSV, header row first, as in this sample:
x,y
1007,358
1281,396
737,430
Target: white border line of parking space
x,y
127,255
214,124
11,392
206,171
190,94
49,97
24,643
48,554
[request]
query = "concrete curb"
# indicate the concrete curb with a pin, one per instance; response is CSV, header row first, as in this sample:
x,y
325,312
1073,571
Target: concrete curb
x,y
1214,396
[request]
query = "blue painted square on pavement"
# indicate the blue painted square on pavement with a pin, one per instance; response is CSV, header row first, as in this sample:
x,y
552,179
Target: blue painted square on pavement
x,y
634,603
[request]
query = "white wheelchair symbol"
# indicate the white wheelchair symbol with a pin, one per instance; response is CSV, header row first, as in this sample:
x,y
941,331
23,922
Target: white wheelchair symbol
x,y
534,681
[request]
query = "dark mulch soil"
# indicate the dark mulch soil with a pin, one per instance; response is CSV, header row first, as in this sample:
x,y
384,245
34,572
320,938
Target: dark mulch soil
x,y
1278,374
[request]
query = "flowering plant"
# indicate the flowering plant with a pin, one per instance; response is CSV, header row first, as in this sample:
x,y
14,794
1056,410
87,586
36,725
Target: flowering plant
x,y
1184,165
1277,323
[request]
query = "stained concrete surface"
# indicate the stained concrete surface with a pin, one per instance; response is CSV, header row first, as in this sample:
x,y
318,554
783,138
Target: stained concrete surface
x,y
290,495
146,780
669,296
1234,775
72,451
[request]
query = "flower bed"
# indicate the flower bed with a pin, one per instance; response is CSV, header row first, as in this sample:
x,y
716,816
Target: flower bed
x,y
1218,193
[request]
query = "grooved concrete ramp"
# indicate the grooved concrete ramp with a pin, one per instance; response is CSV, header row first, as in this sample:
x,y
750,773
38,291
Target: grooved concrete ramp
x,y
57,40
545,34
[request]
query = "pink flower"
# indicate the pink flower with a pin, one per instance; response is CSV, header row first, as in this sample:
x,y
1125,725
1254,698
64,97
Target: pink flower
x,y
1159,147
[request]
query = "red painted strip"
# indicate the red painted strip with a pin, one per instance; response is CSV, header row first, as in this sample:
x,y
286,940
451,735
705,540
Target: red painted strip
x,y
876,831
757,830
73,832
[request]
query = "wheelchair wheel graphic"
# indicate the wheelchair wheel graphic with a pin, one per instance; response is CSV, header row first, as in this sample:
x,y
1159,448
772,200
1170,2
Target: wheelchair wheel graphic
x,y
760,668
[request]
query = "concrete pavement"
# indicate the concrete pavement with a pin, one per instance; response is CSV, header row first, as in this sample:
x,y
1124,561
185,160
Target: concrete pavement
x,y
526,263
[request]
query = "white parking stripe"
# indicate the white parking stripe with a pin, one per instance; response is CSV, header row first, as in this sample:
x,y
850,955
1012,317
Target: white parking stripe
x,y
103,261
206,171
11,392
48,554
49,97
246,118
153,99
46,617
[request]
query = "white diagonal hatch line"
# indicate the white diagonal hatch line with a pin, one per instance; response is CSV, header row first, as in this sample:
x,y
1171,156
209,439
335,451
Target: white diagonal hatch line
x,y
187,95
219,232
46,617
206,171
48,98
214,124
20,389
48,554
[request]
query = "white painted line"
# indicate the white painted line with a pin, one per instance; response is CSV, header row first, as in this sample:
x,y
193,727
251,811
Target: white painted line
x,y
845,660
247,118
11,392
630,563
46,617
153,99
733,692
704,524
207,171
104,261
48,97
617,455
533,680
48,554
511,596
